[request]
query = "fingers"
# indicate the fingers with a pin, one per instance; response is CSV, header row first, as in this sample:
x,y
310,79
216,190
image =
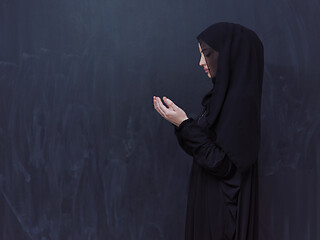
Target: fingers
x,y
163,108
157,106
170,103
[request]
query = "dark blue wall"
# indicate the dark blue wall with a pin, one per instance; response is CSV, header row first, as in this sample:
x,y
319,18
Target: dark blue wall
x,y
83,153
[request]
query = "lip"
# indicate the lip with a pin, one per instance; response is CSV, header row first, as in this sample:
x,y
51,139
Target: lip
x,y
206,70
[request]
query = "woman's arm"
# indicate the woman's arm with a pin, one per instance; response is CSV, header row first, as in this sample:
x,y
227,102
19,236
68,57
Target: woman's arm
x,y
180,140
196,142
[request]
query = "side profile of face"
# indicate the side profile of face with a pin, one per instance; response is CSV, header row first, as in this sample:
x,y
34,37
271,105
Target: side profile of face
x,y
209,59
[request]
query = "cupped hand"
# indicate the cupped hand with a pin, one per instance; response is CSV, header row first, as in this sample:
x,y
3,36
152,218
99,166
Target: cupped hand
x,y
173,113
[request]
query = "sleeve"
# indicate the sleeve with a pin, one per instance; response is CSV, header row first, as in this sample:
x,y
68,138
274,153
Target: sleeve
x,y
177,131
196,142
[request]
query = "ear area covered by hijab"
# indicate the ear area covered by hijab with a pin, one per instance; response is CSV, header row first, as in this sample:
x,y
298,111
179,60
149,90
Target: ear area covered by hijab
x,y
233,104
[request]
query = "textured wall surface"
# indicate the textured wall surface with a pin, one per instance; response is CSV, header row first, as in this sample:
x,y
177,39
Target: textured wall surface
x,y
83,154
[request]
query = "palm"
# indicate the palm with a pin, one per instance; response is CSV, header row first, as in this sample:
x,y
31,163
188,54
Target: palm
x,y
172,113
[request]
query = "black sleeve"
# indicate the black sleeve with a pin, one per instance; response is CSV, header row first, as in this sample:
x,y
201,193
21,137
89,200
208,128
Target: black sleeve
x,y
179,137
196,142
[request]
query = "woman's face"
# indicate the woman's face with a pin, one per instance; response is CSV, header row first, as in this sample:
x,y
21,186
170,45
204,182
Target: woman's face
x,y
209,54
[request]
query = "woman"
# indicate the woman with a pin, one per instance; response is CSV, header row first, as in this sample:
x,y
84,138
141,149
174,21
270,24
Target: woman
x,y
224,138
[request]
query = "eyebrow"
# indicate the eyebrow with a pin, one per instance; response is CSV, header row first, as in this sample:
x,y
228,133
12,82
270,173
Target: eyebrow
x,y
205,49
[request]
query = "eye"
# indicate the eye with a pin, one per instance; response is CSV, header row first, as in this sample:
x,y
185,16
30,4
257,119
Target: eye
x,y
207,53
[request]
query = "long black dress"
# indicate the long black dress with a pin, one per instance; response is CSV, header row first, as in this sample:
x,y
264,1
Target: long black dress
x,y
222,203
224,140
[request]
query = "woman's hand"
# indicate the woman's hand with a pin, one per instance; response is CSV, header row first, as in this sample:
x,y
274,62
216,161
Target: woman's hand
x,y
173,114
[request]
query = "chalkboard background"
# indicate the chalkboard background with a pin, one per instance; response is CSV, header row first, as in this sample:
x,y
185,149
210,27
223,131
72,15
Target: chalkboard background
x,y
83,153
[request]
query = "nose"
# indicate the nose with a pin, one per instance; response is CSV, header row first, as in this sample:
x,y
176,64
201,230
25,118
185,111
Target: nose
x,y
202,61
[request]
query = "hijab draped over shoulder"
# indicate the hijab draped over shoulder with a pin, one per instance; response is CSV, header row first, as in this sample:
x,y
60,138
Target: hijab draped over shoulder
x,y
233,104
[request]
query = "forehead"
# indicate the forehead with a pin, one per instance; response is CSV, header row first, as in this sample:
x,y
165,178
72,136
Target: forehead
x,y
204,46
199,47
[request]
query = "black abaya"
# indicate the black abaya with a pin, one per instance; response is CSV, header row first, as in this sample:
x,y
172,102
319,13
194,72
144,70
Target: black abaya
x,y
224,140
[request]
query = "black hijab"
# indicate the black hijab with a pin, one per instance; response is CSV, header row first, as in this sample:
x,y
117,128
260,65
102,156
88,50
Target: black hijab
x,y
233,104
